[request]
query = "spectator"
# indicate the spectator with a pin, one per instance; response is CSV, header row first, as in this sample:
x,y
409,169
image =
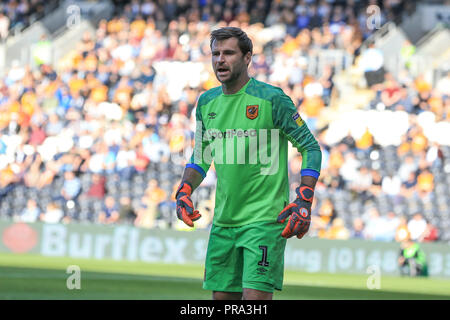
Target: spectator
x,y
419,141
97,189
409,186
313,104
434,156
273,17
127,213
358,229
407,52
336,159
349,169
315,20
391,223
31,212
405,101
155,148
167,207
260,65
365,142
375,225
362,183
37,135
349,141
338,230
148,211
430,234
334,180
4,26
391,185
54,125
303,18
42,51
124,162
391,94
377,181
425,182
326,80
402,232
324,219
407,166
53,214
417,226
371,62
141,161
110,212
71,188
16,73
32,177
97,162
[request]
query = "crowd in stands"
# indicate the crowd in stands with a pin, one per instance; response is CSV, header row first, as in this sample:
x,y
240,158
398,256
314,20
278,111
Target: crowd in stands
x,y
104,135
19,14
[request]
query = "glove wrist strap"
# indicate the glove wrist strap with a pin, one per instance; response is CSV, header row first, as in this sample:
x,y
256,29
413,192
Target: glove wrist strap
x,y
183,185
305,193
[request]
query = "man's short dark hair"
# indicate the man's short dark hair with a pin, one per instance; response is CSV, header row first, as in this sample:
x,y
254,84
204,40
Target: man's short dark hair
x,y
244,42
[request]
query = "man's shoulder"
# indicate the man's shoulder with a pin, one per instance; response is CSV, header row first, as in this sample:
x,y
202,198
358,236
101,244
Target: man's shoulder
x,y
263,90
209,95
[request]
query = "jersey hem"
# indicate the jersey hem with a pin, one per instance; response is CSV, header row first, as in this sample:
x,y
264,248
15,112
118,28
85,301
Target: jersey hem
x,y
224,225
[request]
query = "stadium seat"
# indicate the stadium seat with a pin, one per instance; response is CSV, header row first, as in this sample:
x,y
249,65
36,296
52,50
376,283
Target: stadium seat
x,y
84,215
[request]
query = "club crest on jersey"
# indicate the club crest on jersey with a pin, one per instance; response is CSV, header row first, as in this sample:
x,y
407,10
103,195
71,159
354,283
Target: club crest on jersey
x,y
298,119
252,111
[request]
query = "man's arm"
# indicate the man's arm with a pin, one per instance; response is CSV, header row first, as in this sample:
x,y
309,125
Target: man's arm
x,y
198,166
185,207
286,118
193,177
309,181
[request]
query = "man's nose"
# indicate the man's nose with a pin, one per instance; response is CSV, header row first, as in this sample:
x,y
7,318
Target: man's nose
x,y
221,57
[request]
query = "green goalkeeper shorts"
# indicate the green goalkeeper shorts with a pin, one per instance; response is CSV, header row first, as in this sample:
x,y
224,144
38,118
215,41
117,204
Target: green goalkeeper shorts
x,y
250,256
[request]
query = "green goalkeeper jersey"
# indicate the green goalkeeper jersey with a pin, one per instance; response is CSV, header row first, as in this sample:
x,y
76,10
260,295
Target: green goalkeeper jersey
x,y
246,135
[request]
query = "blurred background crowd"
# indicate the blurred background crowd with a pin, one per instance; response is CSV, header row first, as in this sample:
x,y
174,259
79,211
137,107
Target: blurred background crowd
x,y
103,135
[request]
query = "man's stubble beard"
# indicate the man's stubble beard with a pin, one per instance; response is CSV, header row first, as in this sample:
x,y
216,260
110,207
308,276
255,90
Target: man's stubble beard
x,y
232,79
234,76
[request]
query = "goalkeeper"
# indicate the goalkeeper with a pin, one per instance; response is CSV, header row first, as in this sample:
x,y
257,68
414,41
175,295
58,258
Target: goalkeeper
x,y
244,126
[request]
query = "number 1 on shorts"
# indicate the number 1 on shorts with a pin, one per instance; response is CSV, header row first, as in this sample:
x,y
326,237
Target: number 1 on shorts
x,y
263,261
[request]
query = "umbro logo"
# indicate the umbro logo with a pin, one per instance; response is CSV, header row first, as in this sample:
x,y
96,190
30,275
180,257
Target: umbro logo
x,y
261,270
212,115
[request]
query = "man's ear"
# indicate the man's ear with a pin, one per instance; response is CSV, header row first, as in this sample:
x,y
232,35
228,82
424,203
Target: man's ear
x,y
248,58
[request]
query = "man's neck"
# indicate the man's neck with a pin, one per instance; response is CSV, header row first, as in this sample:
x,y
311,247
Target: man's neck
x,y
232,88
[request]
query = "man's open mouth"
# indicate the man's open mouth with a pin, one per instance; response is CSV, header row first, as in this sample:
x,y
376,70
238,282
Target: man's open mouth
x,y
222,70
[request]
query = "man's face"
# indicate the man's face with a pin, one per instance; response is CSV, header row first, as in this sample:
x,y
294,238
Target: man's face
x,y
228,61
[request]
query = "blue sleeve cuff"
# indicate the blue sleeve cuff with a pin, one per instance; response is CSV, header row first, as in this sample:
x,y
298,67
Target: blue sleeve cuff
x,y
310,172
198,168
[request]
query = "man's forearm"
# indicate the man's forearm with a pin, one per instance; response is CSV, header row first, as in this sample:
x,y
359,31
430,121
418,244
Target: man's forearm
x,y
193,177
309,181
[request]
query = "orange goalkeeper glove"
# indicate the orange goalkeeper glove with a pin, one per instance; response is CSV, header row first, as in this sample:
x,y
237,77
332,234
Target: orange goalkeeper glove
x,y
299,212
185,207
